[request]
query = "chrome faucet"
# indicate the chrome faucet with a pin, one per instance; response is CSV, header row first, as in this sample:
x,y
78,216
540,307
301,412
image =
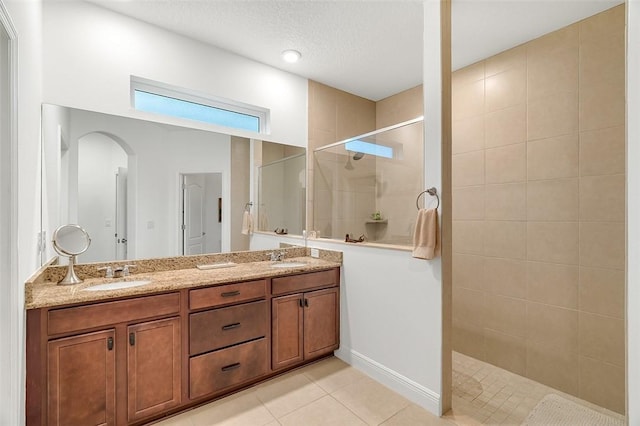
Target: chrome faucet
x,y
276,256
111,272
108,271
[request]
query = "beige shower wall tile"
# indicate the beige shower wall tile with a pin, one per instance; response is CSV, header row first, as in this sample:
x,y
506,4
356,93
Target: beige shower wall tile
x,y
468,134
552,115
553,158
602,338
468,271
468,169
506,126
506,277
603,24
506,201
468,306
506,164
602,291
602,198
603,60
469,74
468,203
553,200
468,237
547,365
552,72
505,239
602,105
602,152
554,326
602,384
505,314
506,89
505,351
602,244
467,100
468,339
563,39
555,242
512,58
553,284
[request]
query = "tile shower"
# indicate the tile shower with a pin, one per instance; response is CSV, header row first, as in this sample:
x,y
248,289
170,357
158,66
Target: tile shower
x,y
539,210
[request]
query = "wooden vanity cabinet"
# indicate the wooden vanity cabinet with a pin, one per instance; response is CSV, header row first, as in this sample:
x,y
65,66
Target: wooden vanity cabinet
x,y
132,361
127,370
82,379
305,325
228,342
153,367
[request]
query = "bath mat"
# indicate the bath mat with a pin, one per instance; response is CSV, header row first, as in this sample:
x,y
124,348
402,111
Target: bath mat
x,y
554,410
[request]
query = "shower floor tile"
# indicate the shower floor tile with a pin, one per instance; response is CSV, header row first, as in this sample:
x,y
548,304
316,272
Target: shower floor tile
x,y
484,394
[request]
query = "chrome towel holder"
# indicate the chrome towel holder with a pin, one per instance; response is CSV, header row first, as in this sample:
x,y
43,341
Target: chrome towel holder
x,y
431,191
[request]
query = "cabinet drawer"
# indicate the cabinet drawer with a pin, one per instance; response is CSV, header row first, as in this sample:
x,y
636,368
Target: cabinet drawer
x,y
218,328
227,294
301,282
215,371
108,313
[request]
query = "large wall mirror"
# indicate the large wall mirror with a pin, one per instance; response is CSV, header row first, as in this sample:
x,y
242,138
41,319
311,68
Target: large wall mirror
x,y
142,189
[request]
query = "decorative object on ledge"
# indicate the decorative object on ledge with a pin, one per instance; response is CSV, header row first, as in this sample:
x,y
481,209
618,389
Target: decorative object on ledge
x,y
348,239
281,231
431,191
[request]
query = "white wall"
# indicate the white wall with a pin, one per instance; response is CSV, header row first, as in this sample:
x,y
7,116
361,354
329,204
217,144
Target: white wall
x,y
633,212
90,54
26,17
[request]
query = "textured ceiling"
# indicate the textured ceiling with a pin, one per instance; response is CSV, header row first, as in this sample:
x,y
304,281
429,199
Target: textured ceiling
x,y
366,47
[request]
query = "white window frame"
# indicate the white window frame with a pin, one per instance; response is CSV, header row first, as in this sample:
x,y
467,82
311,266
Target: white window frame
x,y
188,95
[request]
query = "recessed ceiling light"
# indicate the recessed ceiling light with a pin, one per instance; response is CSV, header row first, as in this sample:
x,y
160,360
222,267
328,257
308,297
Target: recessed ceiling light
x,y
291,56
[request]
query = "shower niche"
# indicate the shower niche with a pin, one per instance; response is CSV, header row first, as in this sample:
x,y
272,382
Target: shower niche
x,y
367,185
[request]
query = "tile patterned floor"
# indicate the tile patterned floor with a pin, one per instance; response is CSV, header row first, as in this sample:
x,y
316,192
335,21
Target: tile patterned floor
x,y
487,395
331,392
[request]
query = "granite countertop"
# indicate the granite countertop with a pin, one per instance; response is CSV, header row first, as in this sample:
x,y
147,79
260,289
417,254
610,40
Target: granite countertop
x,y
41,291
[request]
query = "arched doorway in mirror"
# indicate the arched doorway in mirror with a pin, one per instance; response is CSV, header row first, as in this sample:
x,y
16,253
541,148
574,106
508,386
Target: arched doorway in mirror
x,y
102,195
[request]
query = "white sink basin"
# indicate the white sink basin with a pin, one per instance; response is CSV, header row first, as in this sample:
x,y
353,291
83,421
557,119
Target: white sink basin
x,y
287,264
117,285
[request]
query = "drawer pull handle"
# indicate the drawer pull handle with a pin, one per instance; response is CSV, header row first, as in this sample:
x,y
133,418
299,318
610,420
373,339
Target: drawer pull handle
x,y
231,367
230,326
231,293
306,302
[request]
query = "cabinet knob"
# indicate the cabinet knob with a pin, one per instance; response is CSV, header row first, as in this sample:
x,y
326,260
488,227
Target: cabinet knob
x,y
110,343
132,339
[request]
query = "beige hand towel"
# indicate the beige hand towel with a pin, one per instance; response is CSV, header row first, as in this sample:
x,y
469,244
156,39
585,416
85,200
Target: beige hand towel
x,y
426,236
247,223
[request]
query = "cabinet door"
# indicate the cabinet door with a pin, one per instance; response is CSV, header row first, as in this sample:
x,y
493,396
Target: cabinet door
x,y
286,333
153,367
82,385
321,326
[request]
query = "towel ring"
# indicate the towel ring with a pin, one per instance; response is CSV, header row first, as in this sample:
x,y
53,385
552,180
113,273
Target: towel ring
x,y
431,191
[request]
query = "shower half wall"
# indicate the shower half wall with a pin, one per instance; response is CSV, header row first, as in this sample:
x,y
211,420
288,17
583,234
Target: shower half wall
x,y
539,209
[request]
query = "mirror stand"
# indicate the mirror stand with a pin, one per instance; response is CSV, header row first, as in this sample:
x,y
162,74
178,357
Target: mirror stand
x,y
71,277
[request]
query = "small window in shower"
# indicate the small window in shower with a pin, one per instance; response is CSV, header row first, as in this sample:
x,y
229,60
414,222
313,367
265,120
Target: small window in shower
x,y
162,99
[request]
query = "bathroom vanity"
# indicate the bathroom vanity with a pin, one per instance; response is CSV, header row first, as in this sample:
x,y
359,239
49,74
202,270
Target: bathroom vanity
x,y
130,356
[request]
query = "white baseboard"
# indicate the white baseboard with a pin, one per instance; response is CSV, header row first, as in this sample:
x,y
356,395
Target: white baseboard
x,y
415,392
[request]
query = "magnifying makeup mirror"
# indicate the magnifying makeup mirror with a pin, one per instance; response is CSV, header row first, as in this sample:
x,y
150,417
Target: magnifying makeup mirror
x,y
70,241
